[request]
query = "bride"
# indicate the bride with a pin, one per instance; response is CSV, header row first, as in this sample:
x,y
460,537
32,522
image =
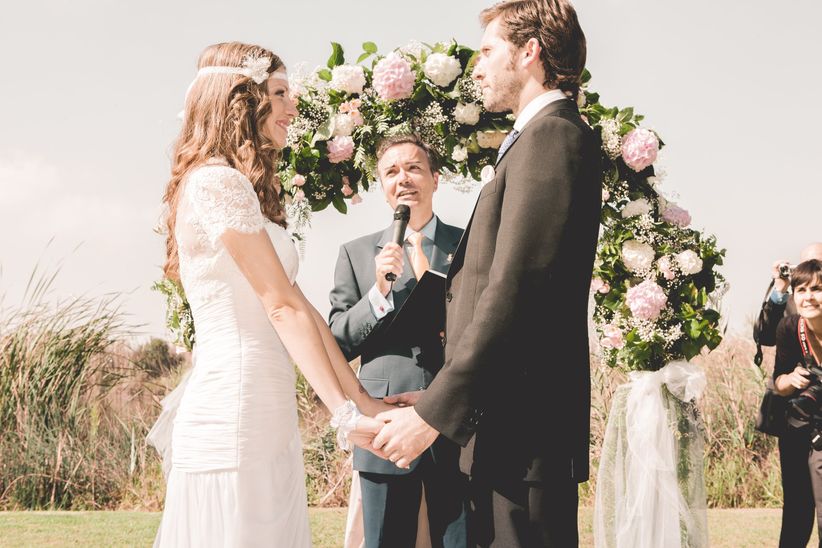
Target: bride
x,y
236,476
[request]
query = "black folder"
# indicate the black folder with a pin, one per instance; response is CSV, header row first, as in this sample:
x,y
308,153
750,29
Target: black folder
x,y
422,316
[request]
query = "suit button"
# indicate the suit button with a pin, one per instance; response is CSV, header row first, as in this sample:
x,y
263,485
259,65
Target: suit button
x,y
449,296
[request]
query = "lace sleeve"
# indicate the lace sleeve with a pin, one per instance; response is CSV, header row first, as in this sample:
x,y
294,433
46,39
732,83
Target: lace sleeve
x,y
222,198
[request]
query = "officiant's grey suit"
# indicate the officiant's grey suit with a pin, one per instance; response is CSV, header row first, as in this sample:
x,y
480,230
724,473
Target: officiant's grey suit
x,y
515,387
392,363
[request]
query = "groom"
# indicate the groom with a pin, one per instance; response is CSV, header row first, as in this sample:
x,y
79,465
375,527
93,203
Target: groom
x,y
515,387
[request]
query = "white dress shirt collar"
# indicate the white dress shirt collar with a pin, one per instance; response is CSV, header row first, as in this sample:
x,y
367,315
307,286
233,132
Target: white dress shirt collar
x,y
429,230
537,104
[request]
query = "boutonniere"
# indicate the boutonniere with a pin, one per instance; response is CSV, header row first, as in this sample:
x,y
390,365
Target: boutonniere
x,y
487,174
450,258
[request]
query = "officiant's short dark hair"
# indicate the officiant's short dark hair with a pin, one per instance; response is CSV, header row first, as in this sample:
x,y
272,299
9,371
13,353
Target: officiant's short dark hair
x,y
409,138
556,28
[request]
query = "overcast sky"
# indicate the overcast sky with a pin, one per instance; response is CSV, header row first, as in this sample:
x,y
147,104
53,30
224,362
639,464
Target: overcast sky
x,y
90,90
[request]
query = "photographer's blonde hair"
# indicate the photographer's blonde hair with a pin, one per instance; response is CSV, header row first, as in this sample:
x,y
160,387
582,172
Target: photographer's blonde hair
x,y
223,116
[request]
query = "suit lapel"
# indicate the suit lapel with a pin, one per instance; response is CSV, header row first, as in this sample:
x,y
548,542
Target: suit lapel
x,y
445,244
516,137
459,252
548,109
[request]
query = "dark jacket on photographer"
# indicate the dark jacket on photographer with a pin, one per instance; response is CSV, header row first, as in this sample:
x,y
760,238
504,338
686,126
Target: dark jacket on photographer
x,y
776,306
800,467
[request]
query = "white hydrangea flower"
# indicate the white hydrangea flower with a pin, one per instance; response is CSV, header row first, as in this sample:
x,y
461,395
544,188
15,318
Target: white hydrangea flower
x,y
636,207
490,139
442,69
468,114
611,142
343,125
348,78
459,154
689,262
413,48
637,256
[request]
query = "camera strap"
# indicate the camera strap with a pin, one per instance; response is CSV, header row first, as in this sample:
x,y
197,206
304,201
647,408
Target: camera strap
x,y
810,360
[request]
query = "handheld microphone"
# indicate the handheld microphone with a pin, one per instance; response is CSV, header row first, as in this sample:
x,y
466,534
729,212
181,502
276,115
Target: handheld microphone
x,y
401,217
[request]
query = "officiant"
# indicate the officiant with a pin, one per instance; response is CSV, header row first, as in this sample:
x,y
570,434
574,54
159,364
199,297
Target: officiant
x,y
364,304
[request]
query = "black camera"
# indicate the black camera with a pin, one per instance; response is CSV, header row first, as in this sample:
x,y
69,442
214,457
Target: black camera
x,y
785,270
804,409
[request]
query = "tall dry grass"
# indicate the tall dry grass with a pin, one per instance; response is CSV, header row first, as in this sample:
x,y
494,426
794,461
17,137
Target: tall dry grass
x,y
76,403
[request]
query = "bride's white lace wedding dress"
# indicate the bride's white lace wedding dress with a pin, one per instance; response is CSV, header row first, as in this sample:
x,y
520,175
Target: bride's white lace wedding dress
x,y
236,476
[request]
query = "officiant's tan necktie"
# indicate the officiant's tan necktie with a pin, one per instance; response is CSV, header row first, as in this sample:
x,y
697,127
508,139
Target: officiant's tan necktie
x,y
419,262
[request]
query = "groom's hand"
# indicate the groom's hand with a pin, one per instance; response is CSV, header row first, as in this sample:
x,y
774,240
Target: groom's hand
x,y
404,399
404,437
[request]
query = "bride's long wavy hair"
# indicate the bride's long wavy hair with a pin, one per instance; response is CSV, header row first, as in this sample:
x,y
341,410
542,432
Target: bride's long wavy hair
x,y
224,115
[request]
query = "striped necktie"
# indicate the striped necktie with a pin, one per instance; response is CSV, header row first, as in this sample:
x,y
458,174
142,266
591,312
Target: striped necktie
x,y
506,144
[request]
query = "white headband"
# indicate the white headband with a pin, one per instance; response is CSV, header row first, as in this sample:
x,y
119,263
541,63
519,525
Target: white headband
x,y
255,68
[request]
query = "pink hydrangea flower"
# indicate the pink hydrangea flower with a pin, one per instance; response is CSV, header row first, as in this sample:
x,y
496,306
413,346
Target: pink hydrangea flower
x,y
340,149
676,215
393,78
356,199
639,148
611,337
298,180
646,300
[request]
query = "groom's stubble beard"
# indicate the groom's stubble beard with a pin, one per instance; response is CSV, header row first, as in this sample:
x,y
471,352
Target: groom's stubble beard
x,y
505,93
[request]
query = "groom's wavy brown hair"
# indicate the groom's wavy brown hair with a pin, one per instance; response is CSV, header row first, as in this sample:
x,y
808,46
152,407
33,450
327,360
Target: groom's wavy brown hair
x,y
224,114
554,24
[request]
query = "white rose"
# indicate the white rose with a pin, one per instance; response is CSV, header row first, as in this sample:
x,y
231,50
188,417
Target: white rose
x,y
636,207
344,125
490,139
637,256
441,69
689,262
467,114
348,78
459,154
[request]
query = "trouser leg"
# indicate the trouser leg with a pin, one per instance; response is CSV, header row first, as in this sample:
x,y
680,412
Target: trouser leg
x,y
798,506
446,492
520,514
391,506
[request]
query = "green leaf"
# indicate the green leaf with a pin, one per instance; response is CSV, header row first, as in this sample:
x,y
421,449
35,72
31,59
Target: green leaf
x,y
690,349
324,74
339,204
363,57
369,47
323,133
337,57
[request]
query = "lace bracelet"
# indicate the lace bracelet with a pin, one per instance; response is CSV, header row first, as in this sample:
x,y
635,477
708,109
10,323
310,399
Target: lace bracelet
x,y
344,419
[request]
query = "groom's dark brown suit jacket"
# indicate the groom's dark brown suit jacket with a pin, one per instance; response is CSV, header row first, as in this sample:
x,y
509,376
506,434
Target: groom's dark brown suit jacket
x,y
515,386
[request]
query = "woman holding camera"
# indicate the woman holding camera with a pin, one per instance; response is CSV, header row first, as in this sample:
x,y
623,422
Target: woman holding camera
x,y
798,347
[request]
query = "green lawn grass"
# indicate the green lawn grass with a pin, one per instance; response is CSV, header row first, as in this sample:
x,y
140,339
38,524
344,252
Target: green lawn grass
x,y
728,528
